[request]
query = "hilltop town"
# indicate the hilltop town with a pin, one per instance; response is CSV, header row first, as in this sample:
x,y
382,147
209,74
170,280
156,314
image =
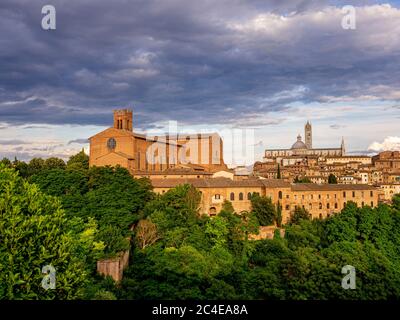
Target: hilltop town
x,y
319,180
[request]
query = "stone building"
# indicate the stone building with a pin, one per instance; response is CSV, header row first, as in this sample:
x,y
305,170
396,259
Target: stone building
x,y
120,145
321,200
387,160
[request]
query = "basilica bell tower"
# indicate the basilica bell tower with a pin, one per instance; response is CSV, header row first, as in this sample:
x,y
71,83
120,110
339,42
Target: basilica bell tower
x,y
123,119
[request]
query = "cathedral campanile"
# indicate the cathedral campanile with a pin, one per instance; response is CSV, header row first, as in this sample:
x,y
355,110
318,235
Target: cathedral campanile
x,y
308,135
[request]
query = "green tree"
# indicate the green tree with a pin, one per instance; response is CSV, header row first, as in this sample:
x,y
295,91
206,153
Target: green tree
x,y
21,167
263,209
332,179
54,163
396,201
279,214
278,174
299,214
227,207
35,233
35,166
302,180
6,162
78,161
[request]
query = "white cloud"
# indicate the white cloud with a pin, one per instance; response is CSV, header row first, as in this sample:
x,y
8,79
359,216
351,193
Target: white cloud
x,y
388,144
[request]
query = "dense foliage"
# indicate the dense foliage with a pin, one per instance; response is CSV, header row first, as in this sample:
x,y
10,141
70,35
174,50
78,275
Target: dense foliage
x,y
34,233
211,258
176,253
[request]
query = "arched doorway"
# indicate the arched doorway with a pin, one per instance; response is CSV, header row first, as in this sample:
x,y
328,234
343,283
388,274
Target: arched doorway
x,y
212,211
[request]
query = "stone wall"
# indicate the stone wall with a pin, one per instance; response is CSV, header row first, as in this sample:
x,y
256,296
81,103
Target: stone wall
x,y
114,267
267,232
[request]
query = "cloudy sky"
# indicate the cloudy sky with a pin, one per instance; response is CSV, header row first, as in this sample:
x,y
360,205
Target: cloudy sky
x,y
268,66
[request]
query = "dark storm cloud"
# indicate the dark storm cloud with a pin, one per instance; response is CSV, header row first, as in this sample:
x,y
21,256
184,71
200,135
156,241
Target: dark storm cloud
x,y
191,61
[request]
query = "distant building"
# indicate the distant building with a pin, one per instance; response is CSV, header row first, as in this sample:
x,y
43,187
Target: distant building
x,y
301,149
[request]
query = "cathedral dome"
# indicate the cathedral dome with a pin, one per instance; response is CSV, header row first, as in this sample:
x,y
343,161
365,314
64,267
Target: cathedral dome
x,y
299,144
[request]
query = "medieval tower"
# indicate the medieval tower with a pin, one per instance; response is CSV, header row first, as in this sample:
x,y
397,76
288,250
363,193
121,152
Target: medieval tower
x,y
123,119
308,135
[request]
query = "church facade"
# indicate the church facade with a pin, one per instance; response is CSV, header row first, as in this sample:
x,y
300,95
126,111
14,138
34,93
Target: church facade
x,y
301,149
120,145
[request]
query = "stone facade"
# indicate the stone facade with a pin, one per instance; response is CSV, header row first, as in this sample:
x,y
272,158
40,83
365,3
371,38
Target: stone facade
x,y
320,200
119,145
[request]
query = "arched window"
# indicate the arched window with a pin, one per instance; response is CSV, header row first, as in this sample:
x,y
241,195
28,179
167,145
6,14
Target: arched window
x,y
280,195
320,205
232,196
320,215
327,206
336,205
241,196
249,196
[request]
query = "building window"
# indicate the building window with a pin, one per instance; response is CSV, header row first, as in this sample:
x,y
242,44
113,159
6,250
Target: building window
x,y
336,205
372,203
320,205
319,196
344,194
232,196
310,205
344,204
217,196
287,207
354,194
241,196
327,206
280,194
249,196
362,204
371,193
320,215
